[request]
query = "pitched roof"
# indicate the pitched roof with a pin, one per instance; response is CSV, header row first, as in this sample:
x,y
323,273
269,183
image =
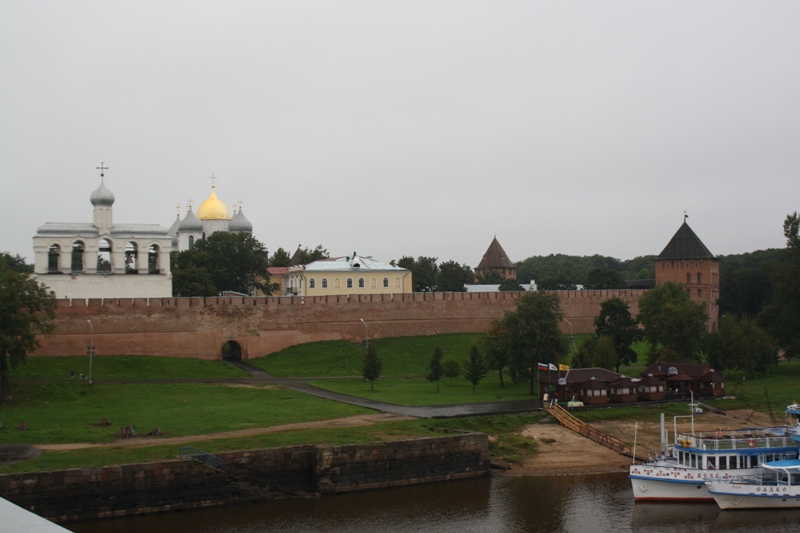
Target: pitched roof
x,y
495,257
576,376
685,245
296,257
356,263
693,370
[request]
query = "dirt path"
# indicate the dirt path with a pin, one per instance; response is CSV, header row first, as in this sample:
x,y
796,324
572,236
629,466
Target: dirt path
x,y
350,421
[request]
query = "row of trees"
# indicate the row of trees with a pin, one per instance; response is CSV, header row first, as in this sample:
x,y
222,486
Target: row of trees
x,y
564,272
428,276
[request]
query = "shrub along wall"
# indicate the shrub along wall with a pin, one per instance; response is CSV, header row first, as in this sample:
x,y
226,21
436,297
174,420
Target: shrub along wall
x,y
246,476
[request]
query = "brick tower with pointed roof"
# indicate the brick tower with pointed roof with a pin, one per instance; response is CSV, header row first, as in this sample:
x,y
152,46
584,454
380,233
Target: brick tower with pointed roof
x,y
496,260
687,261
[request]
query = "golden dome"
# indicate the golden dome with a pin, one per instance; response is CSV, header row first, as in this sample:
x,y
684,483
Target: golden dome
x,y
213,208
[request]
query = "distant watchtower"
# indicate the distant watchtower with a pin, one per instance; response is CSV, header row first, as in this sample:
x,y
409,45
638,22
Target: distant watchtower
x,y
496,260
686,260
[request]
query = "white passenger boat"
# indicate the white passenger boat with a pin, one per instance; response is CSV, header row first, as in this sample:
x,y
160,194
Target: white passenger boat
x,y
681,472
775,486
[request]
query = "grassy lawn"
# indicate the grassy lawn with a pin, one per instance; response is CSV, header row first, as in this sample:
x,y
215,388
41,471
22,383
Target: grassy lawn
x,y
401,356
507,445
123,367
419,391
67,412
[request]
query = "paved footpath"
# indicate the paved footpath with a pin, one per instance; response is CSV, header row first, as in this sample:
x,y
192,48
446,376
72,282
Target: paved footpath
x,y
425,411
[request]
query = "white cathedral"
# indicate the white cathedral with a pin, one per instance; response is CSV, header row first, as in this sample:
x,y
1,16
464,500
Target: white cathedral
x,y
212,216
101,259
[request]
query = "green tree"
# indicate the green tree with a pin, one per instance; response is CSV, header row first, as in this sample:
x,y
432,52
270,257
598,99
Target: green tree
x,y
604,354
493,346
674,325
489,277
585,356
17,263
532,334
511,285
740,344
190,274
27,309
372,365
604,278
451,368
435,370
781,318
307,256
234,261
424,272
745,284
596,352
280,258
453,277
557,282
615,322
474,367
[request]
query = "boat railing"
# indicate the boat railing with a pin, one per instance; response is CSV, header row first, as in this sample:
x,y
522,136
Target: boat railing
x,y
738,442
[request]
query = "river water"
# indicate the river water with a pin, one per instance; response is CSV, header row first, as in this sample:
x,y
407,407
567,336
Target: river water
x,y
505,504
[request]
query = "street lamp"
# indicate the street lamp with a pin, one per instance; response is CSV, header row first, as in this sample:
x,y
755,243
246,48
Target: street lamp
x,y
90,349
366,328
571,336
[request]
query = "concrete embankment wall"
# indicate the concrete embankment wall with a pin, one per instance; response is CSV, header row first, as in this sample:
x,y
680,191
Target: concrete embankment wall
x,y
247,476
199,327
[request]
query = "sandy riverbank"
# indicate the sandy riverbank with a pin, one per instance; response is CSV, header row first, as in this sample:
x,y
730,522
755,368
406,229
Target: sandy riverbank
x,y
563,452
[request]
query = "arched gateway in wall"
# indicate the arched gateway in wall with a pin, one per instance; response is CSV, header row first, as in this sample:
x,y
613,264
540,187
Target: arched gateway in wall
x,y
231,351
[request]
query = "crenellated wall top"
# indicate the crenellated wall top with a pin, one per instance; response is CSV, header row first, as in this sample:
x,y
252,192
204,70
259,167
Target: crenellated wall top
x,y
274,301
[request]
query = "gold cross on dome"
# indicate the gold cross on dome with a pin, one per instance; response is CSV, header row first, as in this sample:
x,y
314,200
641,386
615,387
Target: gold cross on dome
x,y
178,209
189,204
213,178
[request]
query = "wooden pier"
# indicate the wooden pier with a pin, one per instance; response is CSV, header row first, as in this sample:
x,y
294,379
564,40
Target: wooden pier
x,y
569,421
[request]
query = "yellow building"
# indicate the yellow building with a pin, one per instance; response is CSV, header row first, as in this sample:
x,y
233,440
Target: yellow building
x,y
346,275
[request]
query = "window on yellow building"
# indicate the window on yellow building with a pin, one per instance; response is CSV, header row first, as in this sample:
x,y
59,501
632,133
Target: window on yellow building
x,y
360,283
324,283
349,283
386,283
337,283
373,283
312,283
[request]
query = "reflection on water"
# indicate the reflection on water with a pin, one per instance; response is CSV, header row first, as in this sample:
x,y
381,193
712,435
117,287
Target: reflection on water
x,y
515,504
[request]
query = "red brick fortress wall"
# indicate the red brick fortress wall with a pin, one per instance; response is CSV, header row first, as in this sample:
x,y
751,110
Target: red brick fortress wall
x,y
199,327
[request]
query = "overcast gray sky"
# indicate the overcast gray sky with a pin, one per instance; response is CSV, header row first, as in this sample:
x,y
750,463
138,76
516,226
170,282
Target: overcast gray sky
x,y
397,128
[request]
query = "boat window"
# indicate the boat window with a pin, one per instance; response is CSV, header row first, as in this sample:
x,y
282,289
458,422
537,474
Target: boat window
x,y
753,461
711,464
694,460
723,462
